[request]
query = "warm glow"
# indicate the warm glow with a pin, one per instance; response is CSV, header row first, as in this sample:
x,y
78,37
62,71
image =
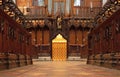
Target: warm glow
x,y
59,38
59,48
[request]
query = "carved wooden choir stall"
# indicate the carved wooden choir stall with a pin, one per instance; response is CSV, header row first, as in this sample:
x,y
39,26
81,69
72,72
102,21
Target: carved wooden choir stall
x,y
104,43
16,49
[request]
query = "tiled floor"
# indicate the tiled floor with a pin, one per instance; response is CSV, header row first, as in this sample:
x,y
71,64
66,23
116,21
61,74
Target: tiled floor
x,y
60,69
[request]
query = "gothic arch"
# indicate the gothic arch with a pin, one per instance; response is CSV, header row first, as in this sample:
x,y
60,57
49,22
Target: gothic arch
x,y
59,32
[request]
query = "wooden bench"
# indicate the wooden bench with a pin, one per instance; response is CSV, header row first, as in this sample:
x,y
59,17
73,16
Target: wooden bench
x,y
3,61
12,60
116,60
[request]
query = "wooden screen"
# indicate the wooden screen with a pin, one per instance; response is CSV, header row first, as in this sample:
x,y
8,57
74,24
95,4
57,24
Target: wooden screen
x,y
46,37
33,37
79,37
85,34
72,37
39,37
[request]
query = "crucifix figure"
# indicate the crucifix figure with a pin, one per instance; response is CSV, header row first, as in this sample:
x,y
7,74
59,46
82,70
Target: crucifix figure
x,y
59,22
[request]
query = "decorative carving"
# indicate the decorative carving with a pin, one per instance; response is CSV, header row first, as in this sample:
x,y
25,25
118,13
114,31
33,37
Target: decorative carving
x,y
1,25
108,32
117,27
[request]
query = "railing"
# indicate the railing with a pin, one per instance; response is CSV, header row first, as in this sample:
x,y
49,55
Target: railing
x,y
85,12
36,12
80,12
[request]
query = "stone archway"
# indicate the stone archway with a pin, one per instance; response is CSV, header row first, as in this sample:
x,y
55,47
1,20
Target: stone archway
x,y
59,48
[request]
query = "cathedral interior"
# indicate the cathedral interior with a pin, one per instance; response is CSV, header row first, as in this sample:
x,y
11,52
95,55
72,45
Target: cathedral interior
x,y
53,38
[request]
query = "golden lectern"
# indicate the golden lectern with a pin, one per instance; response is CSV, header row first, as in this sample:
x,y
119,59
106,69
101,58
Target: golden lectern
x,y
59,48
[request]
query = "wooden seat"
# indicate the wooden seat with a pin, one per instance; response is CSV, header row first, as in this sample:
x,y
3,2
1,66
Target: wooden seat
x,y
3,61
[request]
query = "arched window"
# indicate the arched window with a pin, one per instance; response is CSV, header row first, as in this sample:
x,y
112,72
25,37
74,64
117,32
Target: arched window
x,y
77,2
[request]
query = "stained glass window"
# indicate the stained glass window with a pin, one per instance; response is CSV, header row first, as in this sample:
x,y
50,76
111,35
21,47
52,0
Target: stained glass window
x,y
41,3
76,2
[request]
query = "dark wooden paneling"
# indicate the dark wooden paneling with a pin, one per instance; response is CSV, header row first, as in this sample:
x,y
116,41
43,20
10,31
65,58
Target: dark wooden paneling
x,y
79,36
46,37
105,50
72,37
39,37
14,42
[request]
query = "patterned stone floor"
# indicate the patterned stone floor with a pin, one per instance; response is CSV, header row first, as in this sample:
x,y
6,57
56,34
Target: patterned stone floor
x,y
60,69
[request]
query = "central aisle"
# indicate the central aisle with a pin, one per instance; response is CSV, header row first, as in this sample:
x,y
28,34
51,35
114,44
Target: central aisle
x,y
60,69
